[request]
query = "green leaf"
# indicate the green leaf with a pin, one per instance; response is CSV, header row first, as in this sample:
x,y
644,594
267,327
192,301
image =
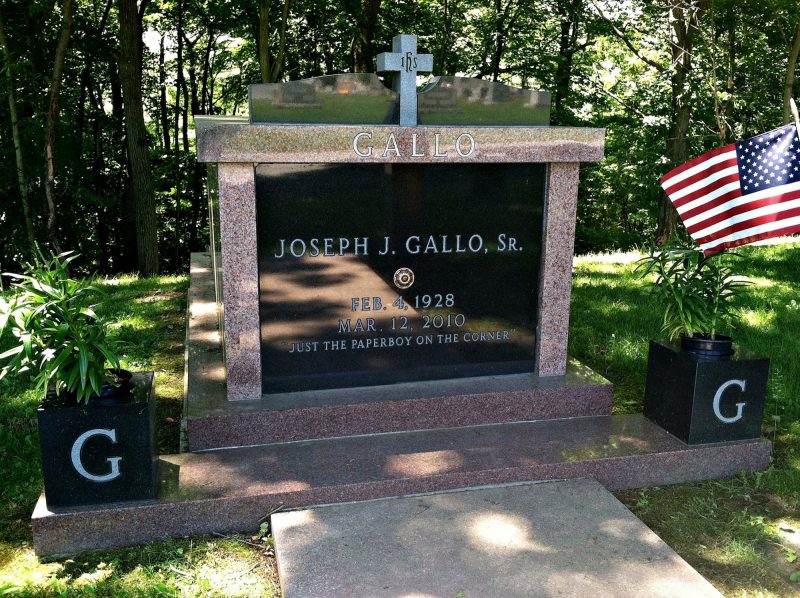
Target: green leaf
x,y
795,577
72,378
83,356
94,382
111,357
14,351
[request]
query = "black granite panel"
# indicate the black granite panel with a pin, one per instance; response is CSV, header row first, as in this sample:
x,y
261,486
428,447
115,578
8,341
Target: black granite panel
x,y
100,453
470,235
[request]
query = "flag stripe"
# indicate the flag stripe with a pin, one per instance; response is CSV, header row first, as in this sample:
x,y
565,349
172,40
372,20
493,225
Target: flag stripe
x,y
700,162
672,186
767,231
712,203
725,175
782,209
703,197
737,205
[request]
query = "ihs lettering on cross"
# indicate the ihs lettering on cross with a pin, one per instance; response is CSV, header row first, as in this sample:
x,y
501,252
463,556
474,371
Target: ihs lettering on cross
x,y
404,60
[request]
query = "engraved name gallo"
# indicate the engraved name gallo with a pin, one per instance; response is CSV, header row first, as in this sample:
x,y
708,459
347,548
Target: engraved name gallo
x,y
405,61
464,145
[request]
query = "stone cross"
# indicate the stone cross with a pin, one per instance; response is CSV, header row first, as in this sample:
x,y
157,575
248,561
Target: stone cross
x,y
404,59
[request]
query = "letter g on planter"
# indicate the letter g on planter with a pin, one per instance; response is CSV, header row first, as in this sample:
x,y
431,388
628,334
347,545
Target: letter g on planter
x,y
77,461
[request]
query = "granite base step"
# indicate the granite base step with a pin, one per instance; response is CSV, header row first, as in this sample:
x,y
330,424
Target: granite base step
x,y
212,421
234,489
289,417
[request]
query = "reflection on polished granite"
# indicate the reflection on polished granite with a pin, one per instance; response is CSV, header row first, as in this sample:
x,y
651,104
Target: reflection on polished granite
x,y
362,98
349,98
475,102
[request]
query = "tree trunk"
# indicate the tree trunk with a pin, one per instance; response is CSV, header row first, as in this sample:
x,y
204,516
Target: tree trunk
x,y
499,40
569,12
130,67
788,85
205,100
198,107
178,112
194,92
97,170
445,43
81,117
180,83
683,19
263,41
52,122
196,206
12,109
364,41
271,67
125,229
211,80
731,82
162,99
185,117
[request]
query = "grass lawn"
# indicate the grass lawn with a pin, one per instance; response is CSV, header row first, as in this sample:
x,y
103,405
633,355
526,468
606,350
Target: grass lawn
x,y
743,534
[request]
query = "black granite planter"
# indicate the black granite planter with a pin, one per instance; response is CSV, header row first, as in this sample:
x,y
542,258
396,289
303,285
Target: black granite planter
x,y
101,452
703,399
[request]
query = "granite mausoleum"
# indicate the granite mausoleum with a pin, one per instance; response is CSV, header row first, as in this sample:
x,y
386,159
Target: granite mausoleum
x,y
385,311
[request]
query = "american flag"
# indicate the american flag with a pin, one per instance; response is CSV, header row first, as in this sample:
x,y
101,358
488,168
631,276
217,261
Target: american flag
x,y
740,193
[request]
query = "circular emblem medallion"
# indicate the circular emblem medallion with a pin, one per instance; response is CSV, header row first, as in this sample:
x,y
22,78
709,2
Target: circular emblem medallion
x,y
403,278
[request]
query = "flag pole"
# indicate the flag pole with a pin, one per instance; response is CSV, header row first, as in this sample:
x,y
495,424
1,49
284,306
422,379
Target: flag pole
x,y
793,107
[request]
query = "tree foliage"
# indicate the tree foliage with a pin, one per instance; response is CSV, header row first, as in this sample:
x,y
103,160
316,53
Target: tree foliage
x,y
668,79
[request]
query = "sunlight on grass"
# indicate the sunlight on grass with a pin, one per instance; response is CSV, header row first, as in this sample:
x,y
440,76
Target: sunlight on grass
x,y
736,552
609,258
757,319
758,281
129,279
186,568
19,566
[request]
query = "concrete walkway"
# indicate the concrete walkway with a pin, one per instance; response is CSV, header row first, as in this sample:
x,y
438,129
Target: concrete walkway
x,y
570,538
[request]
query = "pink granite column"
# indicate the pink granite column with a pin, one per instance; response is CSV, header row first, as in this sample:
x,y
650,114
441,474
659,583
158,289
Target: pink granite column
x,y
237,223
556,276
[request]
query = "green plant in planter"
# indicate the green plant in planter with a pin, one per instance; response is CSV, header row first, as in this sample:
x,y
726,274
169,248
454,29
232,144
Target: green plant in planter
x,y
61,341
695,290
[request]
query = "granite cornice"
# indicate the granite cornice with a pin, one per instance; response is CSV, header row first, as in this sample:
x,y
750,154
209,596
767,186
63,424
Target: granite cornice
x,y
227,139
